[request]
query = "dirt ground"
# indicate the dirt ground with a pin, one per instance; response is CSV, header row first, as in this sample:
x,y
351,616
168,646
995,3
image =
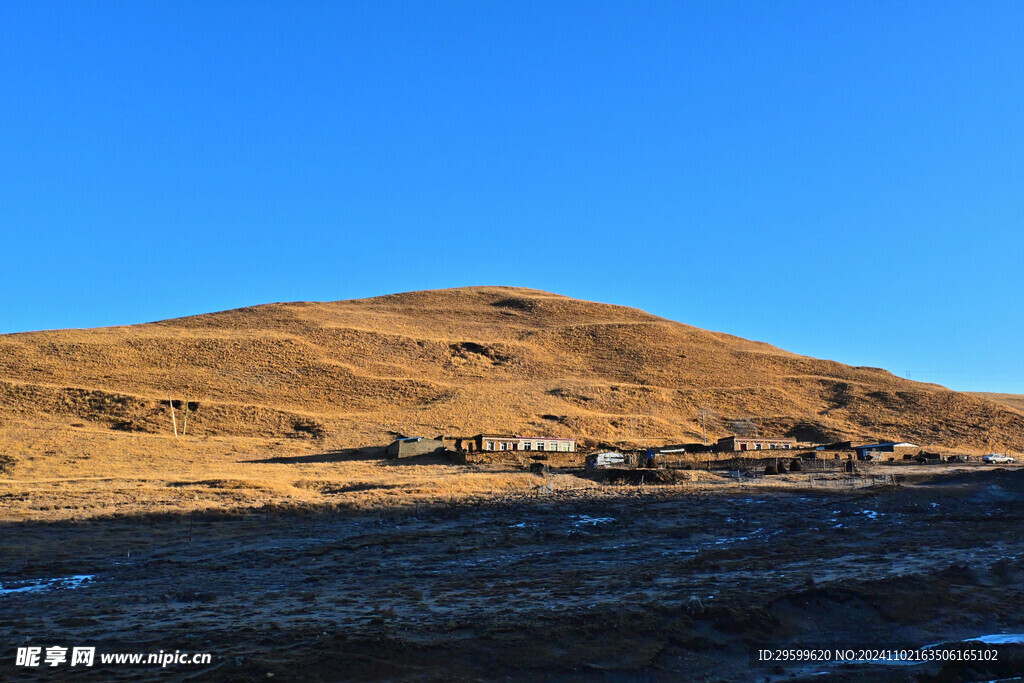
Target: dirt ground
x,y
648,583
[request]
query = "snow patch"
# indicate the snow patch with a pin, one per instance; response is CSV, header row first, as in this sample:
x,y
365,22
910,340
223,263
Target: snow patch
x,y
40,585
1000,638
582,520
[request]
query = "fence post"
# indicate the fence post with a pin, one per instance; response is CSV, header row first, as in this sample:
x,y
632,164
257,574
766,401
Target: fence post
x,y
174,419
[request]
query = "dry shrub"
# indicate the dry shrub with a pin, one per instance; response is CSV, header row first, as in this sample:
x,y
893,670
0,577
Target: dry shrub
x,y
516,303
308,428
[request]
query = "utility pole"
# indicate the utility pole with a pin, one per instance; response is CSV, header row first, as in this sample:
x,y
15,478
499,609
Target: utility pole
x,y
703,426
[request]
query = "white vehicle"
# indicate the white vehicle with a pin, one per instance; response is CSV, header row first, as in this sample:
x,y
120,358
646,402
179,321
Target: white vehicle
x,y
997,457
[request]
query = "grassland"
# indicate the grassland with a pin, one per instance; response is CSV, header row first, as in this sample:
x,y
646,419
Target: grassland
x,y
463,361
1015,401
288,404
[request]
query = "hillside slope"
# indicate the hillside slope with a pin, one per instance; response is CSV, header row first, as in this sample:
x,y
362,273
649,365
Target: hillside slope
x,y
1015,401
467,360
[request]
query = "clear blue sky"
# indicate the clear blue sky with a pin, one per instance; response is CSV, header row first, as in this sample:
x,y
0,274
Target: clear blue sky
x,y
841,179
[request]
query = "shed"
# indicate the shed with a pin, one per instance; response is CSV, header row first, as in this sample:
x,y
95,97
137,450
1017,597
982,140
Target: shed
x,y
598,461
870,451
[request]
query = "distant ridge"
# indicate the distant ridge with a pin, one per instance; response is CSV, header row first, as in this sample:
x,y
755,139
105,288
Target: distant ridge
x,y
461,361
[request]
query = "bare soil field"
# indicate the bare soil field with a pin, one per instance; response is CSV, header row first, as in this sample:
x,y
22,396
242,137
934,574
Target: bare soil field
x,y
554,583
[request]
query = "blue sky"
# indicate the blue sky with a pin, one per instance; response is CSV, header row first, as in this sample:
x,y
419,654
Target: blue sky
x,y
840,179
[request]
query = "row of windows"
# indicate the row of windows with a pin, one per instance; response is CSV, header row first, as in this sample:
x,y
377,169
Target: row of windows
x,y
551,446
528,445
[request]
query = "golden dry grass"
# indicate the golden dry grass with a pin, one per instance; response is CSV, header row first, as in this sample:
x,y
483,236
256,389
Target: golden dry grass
x,y
301,380
76,473
468,360
65,474
1015,401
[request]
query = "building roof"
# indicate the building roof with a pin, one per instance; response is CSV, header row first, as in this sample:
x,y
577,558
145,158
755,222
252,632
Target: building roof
x,y
517,436
886,444
758,438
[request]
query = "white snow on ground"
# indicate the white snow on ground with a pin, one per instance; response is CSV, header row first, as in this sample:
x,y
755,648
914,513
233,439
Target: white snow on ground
x,y
994,639
1000,638
38,585
592,521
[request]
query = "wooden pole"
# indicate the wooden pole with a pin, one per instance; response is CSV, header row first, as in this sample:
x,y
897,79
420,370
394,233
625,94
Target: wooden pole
x,y
184,427
174,419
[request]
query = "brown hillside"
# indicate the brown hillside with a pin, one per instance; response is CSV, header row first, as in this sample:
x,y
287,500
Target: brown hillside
x,y
1015,401
467,360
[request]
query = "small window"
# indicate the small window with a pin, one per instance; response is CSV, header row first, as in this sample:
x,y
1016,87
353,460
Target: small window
x,y
504,446
757,446
563,446
490,445
527,445
540,445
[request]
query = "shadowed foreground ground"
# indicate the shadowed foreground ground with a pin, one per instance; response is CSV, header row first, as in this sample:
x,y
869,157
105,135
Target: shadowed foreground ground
x,y
639,586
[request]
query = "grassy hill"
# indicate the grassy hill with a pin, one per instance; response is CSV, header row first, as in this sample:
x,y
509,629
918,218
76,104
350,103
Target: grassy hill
x,y
466,360
1015,401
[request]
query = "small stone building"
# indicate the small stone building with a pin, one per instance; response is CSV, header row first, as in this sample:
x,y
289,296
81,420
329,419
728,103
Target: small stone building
x,y
874,451
416,445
